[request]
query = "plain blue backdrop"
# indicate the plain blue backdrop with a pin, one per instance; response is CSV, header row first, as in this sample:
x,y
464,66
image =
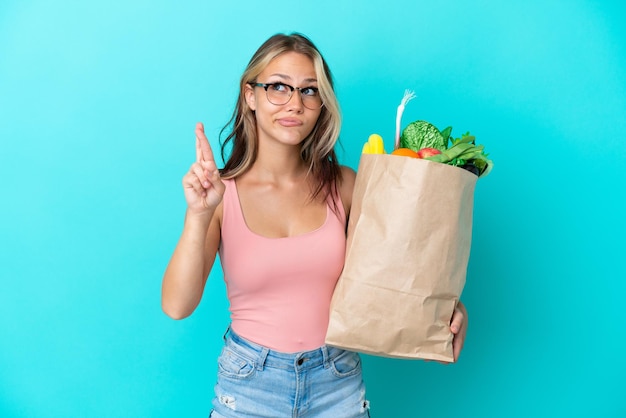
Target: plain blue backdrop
x,y
98,102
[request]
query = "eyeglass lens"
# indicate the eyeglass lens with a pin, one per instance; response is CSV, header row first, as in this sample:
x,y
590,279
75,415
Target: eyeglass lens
x,y
279,94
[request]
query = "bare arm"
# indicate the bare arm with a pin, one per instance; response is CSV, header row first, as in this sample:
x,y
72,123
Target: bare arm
x,y
190,265
347,187
194,255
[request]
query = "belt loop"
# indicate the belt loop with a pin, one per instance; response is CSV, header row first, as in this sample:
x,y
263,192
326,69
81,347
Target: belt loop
x,y
326,356
262,357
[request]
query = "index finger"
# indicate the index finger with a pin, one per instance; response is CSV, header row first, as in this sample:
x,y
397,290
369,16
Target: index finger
x,y
198,150
205,147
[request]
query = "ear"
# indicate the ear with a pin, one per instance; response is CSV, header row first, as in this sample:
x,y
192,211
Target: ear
x,y
250,97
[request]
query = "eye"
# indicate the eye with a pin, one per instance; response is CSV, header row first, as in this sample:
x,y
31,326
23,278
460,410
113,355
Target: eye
x,y
309,91
279,87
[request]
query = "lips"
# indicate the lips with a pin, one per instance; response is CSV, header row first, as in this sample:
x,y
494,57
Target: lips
x,y
288,122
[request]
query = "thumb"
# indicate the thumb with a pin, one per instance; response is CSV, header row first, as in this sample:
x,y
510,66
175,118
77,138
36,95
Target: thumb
x,y
457,321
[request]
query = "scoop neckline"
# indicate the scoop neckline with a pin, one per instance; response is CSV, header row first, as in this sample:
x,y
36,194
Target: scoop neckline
x,y
245,223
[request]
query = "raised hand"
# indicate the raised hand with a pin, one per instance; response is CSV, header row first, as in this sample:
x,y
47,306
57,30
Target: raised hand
x,y
202,185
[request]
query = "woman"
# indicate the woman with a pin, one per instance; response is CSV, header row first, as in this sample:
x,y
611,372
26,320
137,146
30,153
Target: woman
x,y
277,215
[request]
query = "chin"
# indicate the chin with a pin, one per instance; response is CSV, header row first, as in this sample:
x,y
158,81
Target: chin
x,y
291,139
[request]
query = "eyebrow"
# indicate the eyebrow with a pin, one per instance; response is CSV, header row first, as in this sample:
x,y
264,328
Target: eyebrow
x,y
286,77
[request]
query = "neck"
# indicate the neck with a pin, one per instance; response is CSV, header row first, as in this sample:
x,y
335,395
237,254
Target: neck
x,y
279,165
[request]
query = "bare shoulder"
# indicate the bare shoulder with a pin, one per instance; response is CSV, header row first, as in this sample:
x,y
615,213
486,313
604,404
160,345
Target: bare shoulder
x,y
347,187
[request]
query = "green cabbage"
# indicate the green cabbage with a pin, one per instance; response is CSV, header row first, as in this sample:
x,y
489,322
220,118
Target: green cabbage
x,y
421,134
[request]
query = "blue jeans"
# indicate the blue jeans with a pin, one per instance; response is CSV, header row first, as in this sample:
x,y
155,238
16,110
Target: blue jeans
x,y
254,381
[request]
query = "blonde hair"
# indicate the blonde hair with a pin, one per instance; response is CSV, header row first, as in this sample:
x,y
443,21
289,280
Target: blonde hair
x,y
318,148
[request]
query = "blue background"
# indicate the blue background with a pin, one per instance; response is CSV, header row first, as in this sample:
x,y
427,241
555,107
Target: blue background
x,y
98,102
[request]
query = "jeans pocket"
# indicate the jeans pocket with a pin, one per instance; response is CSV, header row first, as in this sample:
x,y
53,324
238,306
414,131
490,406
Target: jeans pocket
x,y
234,365
347,363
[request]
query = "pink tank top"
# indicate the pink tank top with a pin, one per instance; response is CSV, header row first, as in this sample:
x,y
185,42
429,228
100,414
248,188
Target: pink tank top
x,y
280,288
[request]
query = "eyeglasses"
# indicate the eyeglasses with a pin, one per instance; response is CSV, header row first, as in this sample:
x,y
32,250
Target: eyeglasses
x,y
280,93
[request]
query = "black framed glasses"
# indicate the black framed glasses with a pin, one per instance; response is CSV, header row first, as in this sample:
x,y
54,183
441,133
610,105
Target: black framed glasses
x,y
280,93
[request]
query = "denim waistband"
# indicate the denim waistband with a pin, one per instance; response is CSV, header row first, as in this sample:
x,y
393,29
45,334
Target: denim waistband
x,y
265,357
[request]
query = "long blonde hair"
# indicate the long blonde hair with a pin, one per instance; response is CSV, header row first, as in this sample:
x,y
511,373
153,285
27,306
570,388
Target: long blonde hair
x,y
318,148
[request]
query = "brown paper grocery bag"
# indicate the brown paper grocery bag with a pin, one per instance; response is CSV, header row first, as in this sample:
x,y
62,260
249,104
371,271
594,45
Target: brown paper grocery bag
x,y
408,246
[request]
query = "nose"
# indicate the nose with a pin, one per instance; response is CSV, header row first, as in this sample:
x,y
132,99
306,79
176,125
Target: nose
x,y
296,102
